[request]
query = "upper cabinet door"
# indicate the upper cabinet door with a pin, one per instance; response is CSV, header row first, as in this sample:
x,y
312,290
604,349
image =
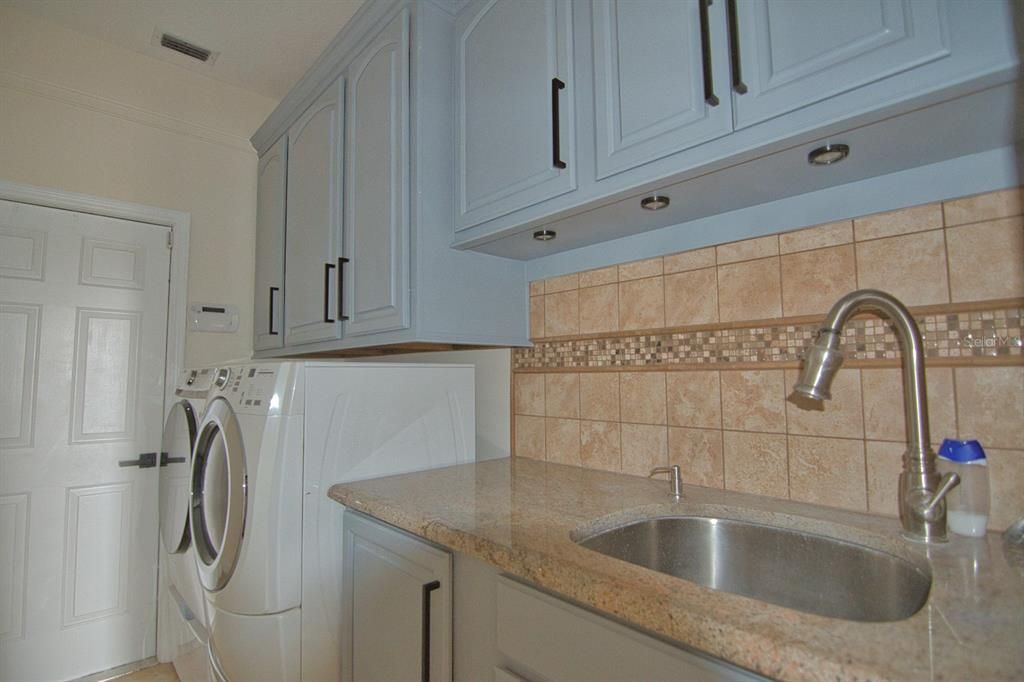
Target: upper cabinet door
x,y
376,275
515,127
268,302
313,242
797,52
650,91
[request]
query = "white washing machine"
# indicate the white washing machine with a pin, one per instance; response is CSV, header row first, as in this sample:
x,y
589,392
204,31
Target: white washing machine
x,y
182,628
275,437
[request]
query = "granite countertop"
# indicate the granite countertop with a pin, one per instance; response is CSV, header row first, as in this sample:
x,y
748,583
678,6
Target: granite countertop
x,y
520,516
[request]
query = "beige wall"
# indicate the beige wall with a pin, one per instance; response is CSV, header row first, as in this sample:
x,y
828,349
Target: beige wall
x,y
85,116
690,358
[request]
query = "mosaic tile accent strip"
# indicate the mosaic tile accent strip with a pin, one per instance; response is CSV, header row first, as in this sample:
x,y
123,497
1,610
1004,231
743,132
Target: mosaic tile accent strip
x,y
985,333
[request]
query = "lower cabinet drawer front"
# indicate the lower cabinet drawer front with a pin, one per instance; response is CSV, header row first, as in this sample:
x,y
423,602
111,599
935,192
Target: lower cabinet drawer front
x,y
548,640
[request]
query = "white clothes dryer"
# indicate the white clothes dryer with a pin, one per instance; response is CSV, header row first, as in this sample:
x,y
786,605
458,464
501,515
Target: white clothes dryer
x,y
183,624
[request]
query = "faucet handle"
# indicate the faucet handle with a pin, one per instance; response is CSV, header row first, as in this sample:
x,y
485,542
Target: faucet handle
x,y
675,480
948,482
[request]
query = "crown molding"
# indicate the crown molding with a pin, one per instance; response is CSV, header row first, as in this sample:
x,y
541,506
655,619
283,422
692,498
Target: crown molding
x,y
110,107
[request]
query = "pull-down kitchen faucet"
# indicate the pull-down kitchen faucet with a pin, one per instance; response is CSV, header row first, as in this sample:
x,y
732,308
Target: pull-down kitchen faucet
x,y
921,489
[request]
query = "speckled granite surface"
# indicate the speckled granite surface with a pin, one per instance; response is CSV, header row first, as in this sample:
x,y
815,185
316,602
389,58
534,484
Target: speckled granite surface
x,y
521,516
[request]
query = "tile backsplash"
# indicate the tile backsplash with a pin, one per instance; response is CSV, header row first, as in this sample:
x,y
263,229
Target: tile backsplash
x,y
689,358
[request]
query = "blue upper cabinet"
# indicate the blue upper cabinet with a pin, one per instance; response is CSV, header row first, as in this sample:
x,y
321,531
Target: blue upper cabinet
x,y
660,80
793,53
514,91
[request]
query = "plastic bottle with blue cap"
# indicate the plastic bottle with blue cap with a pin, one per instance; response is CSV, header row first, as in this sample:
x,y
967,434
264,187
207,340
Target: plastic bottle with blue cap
x,y
967,505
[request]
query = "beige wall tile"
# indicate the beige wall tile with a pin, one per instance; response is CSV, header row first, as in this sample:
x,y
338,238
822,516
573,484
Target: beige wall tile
x,y
537,287
755,463
690,260
593,278
990,405
911,268
694,399
599,396
652,267
599,309
980,207
691,298
553,285
748,249
884,464
601,445
813,280
530,437
562,313
536,317
754,400
749,291
643,448
986,260
562,441
698,452
817,237
828,471
642,304
529,394
901,221
840,417
1006,479
643,397
562,395
883,403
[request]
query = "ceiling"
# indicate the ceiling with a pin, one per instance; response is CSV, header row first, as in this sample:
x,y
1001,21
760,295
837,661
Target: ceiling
x,y
263,45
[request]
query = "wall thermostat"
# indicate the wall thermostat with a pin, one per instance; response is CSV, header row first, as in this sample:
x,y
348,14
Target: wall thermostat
x,y
212,317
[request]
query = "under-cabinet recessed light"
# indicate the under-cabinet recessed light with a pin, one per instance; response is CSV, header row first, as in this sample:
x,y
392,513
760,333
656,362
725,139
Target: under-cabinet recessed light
x,y
655,202
544,235
827,155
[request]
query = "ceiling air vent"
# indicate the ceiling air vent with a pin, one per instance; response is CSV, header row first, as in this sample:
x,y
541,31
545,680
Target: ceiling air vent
x,y
184,47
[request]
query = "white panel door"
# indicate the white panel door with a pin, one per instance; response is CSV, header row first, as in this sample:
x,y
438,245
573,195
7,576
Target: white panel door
x,y
268,301
376,275
83,317
313,232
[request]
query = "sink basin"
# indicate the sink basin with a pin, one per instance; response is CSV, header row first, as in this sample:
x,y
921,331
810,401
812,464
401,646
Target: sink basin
x,y
804,571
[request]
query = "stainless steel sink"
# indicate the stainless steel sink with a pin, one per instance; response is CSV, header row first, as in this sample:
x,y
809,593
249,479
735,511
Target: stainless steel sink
x,y
804,571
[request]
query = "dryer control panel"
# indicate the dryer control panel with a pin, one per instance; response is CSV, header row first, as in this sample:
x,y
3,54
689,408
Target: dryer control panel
x,y
259,388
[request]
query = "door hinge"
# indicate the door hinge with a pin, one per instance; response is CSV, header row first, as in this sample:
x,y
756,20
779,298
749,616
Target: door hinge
x,y
170,240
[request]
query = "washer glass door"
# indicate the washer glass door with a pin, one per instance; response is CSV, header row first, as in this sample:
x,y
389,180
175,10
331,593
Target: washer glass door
x,y
175,460
219,491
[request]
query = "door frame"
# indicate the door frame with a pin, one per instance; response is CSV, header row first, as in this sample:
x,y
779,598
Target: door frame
x,y
177,221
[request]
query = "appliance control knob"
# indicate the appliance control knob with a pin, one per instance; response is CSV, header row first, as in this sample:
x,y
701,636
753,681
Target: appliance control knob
x,y
222,378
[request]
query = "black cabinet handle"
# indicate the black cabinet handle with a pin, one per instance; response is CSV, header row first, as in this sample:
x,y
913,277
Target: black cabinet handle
x,y
734,49
341,286
270,324
146,460
556,144
327,287
705,49
425,656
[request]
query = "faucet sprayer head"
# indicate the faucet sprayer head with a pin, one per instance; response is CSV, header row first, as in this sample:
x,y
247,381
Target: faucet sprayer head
x,y
822,361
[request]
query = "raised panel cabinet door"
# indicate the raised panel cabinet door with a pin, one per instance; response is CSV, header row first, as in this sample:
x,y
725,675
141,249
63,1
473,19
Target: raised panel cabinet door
x,y
376,273
396,591
515,127
650,92
313,223
794,53
270,216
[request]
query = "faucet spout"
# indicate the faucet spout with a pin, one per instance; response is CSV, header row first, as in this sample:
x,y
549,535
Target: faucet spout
x,y
921,489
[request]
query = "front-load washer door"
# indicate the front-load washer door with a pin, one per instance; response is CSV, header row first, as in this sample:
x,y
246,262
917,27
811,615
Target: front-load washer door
x,y
218,497
175,462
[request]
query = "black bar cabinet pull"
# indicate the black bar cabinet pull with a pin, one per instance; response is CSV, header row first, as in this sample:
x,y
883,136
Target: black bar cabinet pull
x,y
556,144
425,657
734,48
705,49
327,287
270,324
341,286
